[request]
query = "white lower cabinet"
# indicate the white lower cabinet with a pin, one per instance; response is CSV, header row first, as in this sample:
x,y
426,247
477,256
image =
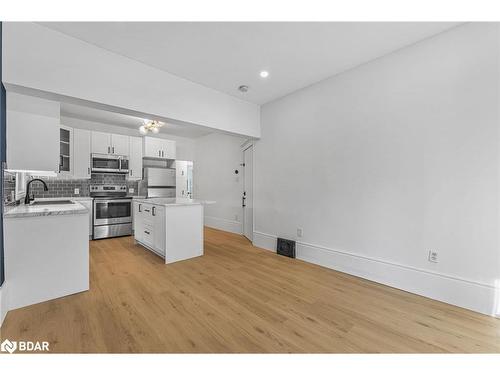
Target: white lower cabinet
x,y
159,229
88,203
138,220
149,226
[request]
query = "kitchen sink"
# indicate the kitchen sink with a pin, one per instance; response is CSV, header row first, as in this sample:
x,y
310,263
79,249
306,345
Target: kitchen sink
x,y
46,203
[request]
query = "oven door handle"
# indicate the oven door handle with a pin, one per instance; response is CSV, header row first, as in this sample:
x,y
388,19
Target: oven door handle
x,y
112,201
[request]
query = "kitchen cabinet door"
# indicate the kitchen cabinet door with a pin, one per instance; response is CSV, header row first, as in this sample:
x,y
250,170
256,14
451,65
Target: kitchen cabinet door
x,y
66,152
32,133
120,144
168,149
101,143
135,158
160,229
88,205
152,147
81,153
138,221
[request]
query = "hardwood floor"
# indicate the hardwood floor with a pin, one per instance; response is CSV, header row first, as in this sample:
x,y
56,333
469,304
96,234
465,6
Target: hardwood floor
x,y
239,299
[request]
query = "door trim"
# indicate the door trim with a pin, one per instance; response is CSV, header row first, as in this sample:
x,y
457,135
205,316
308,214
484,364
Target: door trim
x,y
245,146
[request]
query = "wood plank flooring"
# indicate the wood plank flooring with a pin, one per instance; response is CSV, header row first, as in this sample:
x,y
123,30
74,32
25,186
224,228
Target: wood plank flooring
x,y
241,299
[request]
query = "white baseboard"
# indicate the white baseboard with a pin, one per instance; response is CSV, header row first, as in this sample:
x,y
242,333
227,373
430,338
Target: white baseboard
x,y
264,241
224,224
457,291
3,303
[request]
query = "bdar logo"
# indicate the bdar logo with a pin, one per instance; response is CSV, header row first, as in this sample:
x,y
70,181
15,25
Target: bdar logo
x,y
24,346
8,346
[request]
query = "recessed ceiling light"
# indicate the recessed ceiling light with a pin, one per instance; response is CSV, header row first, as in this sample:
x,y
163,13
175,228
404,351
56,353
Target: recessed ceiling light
x,y
264,74
243,88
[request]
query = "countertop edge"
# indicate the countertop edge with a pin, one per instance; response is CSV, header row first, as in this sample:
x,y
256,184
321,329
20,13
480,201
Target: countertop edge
x,y
173,204
52,211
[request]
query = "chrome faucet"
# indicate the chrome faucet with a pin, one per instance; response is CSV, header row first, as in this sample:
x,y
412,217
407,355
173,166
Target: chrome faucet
x,y
28,199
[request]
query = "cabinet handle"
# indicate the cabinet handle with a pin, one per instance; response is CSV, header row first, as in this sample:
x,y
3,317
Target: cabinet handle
x,y
131,172
109,150
159,153
154,211
113,149
88,169
146,210
140,207
146,232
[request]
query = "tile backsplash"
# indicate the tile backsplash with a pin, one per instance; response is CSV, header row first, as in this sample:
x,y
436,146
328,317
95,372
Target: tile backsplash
x,y
65,187
9,187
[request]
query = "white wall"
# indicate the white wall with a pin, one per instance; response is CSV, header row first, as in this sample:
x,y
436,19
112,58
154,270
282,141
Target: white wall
x,y
217,157
39,58
386,161
3,303
184,146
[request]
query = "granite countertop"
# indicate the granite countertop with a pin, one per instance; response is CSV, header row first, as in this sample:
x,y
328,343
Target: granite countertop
x,y
173,201
64,199
44,210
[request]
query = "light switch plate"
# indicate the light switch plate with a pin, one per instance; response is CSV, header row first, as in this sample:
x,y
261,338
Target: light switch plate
x,y
131,190
77,191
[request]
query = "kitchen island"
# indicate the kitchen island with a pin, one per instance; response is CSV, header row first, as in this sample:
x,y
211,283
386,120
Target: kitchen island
x,y
170,227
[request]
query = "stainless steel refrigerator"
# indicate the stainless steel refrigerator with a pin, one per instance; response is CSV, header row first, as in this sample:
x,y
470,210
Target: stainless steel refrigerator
x,y
160,182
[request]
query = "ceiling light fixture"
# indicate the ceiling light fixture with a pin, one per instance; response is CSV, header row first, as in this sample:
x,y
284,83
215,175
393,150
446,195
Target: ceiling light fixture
x,y
152,126
243,88
264,74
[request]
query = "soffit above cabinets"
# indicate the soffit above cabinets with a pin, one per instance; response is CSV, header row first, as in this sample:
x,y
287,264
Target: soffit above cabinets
x,y
131,122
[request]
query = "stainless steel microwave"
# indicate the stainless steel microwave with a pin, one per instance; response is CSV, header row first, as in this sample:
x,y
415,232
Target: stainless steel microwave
x,y
104,163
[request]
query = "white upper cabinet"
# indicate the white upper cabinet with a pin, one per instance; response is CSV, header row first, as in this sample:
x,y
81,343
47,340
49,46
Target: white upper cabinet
x,y
107,143
135,158
159,148
119,144
101,143
169,151
152,147
65,150
32,133
81,153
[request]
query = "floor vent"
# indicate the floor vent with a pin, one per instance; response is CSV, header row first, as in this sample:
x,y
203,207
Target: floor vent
x,y
286,247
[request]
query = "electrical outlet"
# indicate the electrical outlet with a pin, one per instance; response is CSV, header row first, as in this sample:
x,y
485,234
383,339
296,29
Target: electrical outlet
x,y
300,232
433,256
77,191
131,190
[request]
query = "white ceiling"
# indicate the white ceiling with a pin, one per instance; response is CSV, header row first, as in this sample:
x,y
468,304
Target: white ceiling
x,y
223,56
132,122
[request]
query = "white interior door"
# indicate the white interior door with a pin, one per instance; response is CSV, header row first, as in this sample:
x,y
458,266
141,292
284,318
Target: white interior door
x,y
248,193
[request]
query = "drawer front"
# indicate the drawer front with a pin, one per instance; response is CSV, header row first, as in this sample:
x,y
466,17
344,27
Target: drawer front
x,y
148,234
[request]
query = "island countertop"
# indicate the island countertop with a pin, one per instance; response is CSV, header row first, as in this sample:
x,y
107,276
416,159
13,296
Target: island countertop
x,y
172,201
24,210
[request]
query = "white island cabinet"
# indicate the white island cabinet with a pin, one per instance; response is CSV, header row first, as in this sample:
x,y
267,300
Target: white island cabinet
x,y
170,227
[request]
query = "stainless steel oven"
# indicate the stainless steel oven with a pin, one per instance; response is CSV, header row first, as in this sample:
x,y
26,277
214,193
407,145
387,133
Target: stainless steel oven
x,y
112,211
104,163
